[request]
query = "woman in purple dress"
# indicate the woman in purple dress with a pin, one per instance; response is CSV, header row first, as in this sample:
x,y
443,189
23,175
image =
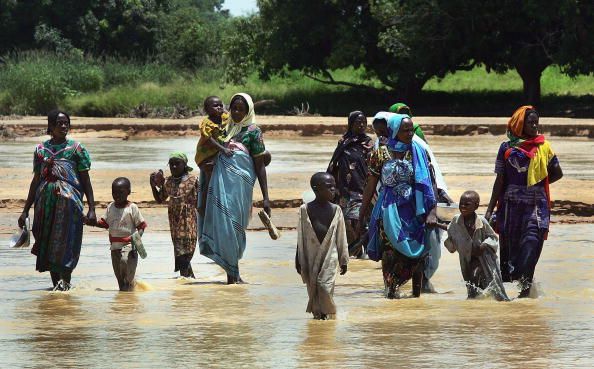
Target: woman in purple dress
x,y
525,166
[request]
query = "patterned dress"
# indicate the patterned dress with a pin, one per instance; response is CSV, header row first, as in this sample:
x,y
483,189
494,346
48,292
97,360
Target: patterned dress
x,y
251,139
229,201
57,222
397,178
523,216
349,168
182,211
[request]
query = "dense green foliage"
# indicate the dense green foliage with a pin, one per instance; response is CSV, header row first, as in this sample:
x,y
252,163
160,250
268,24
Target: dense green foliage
x,y
116,57
405,43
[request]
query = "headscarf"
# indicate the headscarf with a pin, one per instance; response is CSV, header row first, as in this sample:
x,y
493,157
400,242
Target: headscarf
x,y
250,118
398,106
182,156
349,138
386,208
394,123
537,149
351,120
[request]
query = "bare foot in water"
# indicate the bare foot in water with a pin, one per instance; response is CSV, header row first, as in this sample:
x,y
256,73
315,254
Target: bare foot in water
x,y
235,280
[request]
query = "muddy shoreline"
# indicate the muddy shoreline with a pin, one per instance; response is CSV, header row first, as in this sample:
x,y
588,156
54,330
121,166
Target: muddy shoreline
x,y
11,127
574,201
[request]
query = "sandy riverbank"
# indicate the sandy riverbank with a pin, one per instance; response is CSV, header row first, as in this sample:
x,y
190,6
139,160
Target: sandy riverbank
x,y
300,125
467,161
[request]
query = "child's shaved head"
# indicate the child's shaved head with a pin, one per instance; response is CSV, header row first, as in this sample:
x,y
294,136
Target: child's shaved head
x,y
122,182
209,101
319,179
472,196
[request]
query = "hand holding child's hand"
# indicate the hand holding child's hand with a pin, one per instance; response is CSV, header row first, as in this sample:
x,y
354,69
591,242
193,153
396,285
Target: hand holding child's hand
x,y
343,269
431,220
91,218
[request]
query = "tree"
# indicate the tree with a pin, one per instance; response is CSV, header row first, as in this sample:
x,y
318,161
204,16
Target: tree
x,y
191,33
403,44
530,35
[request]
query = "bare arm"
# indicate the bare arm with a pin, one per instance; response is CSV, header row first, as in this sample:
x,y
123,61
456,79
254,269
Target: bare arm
x,y
260,165
297,265
220,147
497,188
368,192
30,199
159,194
85,179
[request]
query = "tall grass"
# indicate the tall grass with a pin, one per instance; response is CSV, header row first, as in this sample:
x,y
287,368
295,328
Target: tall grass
x,y
34,82
37,81
553,82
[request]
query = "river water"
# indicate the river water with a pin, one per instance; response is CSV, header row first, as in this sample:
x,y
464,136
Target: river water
x,y
204,323
173,322
457,155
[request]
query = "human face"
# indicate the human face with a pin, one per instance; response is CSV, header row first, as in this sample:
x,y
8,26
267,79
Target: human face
x,y
380,127
239,110
326,189
468,205
405,133
120,193
359,126
531,125
214,107
61,128
177,167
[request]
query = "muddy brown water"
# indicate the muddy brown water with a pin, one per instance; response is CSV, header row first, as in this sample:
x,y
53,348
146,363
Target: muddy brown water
x,y
458,155
173,322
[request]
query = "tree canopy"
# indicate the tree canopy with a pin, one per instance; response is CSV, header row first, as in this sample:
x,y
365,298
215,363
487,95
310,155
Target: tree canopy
x,y
401,43
405,43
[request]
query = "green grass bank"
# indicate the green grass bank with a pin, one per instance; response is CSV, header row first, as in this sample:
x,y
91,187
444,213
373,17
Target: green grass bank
x,y
33,83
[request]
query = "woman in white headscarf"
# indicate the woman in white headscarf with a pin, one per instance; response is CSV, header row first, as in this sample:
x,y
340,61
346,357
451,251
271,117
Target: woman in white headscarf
x,y
230,190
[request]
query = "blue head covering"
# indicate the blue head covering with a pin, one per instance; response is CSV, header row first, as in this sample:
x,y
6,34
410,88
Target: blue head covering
x,y
388,203
394,123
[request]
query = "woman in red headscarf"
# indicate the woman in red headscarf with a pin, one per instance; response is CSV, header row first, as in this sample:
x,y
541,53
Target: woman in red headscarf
x,y
525,166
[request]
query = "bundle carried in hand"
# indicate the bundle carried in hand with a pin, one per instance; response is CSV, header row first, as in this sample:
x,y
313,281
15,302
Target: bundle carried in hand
x,y
272,230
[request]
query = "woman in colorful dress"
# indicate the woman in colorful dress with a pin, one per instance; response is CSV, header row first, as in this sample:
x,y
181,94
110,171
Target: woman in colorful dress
x,y
230,191
526,165
60,179
405,205
349,168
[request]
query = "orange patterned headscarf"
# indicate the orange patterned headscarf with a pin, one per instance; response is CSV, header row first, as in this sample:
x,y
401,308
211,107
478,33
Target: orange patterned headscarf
x,y
516,122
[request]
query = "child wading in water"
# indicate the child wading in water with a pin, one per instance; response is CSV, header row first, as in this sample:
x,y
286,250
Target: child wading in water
x,y
212,141
471,235
182,190
321,246
123,219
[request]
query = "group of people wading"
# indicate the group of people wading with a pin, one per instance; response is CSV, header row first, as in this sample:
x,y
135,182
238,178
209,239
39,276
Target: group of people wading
x,y
386,191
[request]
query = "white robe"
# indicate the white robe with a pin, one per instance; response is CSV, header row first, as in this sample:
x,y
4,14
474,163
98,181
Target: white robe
x,y
319,262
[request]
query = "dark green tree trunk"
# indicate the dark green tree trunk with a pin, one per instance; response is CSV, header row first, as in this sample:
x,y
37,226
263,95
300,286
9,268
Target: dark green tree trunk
x,y
530,75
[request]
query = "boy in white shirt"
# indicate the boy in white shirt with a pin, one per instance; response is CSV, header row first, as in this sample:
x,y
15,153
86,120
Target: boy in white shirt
x,y
471,235
123,219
